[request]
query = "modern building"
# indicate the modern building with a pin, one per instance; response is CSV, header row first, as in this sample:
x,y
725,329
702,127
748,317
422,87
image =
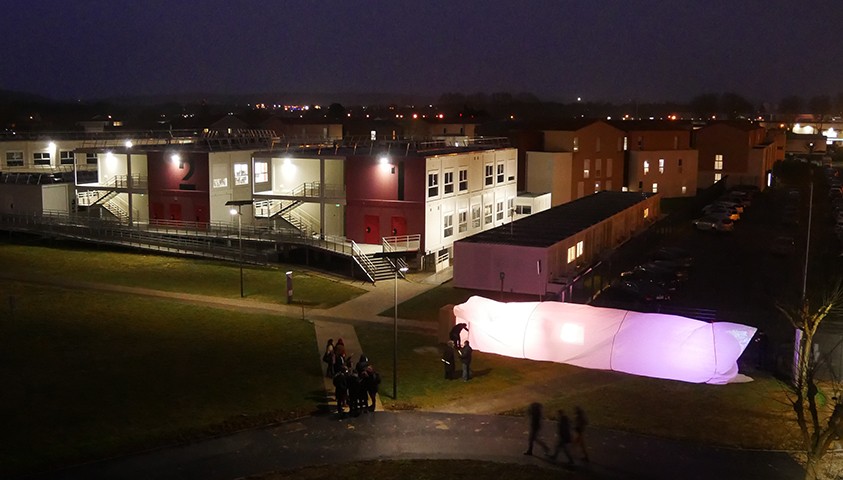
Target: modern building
x,y
544,253
739,149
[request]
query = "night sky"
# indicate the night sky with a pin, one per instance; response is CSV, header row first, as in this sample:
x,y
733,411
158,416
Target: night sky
x,y
619,50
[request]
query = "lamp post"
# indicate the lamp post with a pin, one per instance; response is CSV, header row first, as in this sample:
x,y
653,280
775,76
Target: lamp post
x,y
395,331
239,212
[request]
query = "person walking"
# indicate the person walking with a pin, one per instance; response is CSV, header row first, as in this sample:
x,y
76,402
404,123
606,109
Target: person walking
x,y
563,437
339,355
372,381
580,422
448,360
465,358
341,391
328,358
534,411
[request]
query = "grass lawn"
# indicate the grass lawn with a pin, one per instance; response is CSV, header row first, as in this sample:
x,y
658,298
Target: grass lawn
x,y
176,274
87,375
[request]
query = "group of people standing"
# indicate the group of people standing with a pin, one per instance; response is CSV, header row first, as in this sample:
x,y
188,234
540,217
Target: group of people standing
x,y
353,387
564,437
454,348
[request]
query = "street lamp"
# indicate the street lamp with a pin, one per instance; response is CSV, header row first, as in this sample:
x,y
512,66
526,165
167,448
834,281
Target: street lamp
x,y
239,212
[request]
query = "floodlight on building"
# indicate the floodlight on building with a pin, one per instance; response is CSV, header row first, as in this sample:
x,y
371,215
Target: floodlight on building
x,y
175,159
232,211
51,146
129,144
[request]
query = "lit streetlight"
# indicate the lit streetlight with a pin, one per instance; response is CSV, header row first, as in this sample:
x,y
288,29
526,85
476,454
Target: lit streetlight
x,y
238,211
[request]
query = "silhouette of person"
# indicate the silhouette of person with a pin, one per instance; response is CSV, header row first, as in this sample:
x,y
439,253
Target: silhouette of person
x,y
580,422
534,411
465,357
454,336
563,437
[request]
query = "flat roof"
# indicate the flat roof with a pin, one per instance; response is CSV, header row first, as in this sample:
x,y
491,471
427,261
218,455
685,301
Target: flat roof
x,y
551,226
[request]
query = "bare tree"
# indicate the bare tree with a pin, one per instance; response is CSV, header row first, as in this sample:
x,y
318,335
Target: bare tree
x,y
819,424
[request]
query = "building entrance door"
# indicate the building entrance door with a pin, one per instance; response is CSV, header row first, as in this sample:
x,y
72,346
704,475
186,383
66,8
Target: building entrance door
x,y
399,226
372,225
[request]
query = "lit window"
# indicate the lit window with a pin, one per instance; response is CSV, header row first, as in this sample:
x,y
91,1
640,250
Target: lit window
x,y
586,165
14,159
655,188
684,189
718,162
576,144
579,248
646,212
487,214
475,216
490,175
432,184
499,211
241,174
66,157
596,187
646,167
448,223
625,143
463,179
373,135
42,158
572,254
463,221
448,187
717,177
500,178
661,165
261,172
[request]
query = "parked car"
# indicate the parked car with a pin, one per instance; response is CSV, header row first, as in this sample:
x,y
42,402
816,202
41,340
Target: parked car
x,y
675,254
639,290
714,224
783,245
663,270
737,206
721,211
668,283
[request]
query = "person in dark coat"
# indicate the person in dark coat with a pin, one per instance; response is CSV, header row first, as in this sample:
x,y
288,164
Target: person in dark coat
x,y
328,358
454,336
465,358
356,394
563,437
371,383
339,355
448,360
361,364
534,412
341,391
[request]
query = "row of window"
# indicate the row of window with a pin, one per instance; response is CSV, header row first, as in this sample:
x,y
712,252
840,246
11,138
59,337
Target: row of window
x,y
586,172
488,217
15,158
492,174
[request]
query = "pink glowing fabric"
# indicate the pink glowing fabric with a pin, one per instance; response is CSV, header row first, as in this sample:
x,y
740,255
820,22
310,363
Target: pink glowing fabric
x,y
647,344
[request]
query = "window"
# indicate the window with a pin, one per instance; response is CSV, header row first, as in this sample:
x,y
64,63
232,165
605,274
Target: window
x,y
475,216
462,219
261,172
42,158
580,245
449,182
596,187
463,179
487,214
640,143
586,164
597,169
680,165
576,144
448,223
718,162
66,157
499,211
241,174
14,159
432,184
646,167
646,212
91,158
717,177
510,207
500,178
655,188
572,254
490,176
523,209
684,189
373,135
661,165
597,145
608,167
625,143
676,142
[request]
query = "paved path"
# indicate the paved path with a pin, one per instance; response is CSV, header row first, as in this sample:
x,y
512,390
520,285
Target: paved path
x,y
320,440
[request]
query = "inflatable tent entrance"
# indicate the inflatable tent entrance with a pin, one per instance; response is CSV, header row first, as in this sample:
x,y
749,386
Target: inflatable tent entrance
x,y
647,344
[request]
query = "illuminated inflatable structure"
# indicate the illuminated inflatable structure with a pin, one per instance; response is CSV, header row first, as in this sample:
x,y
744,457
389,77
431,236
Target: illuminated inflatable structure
x,y
647,344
